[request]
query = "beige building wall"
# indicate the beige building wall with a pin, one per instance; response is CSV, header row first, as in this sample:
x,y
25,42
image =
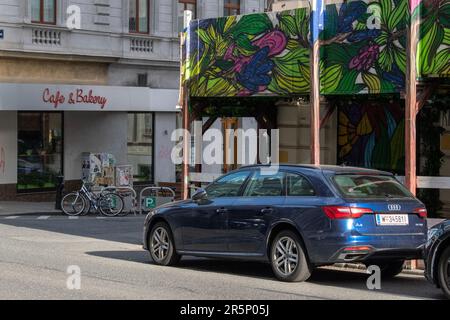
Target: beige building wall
x,y
27,70
294,126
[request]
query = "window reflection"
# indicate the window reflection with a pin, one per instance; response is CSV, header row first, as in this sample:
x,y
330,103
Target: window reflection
x,y
40,144
140,146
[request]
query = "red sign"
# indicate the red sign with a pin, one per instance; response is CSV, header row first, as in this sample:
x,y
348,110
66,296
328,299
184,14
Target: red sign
x,y
79,96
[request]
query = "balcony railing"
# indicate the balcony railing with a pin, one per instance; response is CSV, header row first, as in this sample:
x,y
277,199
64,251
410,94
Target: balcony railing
x,y
141,45
46,37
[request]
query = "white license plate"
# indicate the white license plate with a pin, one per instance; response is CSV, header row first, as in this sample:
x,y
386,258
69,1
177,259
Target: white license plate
x,y
392,219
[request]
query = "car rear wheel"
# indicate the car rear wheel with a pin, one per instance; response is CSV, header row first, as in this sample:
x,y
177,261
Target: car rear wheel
x,y
161,245
288,258
389,268
444,272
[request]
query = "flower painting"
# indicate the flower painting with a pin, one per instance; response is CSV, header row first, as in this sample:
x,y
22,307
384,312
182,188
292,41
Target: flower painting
x,y
249,55
362,49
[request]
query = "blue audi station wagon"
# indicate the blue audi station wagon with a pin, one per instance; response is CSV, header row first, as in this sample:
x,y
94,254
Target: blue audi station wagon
x,y
296,218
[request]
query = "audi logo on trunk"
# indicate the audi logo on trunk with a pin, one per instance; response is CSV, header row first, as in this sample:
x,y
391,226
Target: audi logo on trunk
x,y
394,207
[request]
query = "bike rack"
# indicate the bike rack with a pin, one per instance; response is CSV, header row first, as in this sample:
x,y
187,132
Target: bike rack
x,y
156,190
127,189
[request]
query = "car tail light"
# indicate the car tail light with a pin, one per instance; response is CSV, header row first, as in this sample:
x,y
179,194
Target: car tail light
x,y
341,212
422,212
358,248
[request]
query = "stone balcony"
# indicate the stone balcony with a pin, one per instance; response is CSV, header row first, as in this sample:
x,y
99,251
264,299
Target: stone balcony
x,y
32,38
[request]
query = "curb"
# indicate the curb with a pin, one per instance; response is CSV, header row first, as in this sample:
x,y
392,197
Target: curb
x,y
361,267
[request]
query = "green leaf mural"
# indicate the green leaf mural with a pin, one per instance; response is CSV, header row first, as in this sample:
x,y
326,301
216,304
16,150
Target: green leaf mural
x,y
362,49
433,48
362,38
249,55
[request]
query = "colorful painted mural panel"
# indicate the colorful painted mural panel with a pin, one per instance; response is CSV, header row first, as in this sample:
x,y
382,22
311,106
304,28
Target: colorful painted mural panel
x,y
433,48
363,47
371,134
249,55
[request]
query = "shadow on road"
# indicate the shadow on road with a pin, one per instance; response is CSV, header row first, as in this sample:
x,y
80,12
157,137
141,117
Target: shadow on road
x,y
407,286
118,229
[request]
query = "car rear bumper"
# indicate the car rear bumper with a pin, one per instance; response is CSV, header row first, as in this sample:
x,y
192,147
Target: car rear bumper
x,y
377,254
366,249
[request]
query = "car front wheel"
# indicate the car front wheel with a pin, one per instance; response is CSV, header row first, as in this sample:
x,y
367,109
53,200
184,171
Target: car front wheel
x,y
444,272
288,258
161,245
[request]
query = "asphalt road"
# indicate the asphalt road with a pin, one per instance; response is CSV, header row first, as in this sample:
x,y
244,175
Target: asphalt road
x,y
35,252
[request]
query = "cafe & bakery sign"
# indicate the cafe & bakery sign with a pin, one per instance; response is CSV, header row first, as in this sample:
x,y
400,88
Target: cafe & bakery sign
x,y
78,96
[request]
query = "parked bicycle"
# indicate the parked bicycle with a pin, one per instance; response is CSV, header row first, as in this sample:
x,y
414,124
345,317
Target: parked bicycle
x,y
109,204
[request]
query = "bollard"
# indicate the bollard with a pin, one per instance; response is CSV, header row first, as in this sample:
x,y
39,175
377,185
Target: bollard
x,y
59,192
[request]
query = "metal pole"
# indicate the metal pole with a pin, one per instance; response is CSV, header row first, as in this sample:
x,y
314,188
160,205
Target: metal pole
x,y
185,108
315,83
411,106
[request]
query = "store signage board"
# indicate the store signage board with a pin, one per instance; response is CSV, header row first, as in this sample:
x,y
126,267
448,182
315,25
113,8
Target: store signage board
x,y
49,97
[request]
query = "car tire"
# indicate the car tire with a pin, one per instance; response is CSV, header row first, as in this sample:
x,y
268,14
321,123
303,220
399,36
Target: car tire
x,y
389,269
288,258
162,246
444,272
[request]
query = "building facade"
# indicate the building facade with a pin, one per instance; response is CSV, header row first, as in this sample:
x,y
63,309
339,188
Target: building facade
x,y
98,76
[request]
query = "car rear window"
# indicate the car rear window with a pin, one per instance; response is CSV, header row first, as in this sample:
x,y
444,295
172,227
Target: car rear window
x,y
370,186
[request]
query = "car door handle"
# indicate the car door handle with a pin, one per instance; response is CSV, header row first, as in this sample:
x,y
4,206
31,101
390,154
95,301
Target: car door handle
x,y
266,210
222,210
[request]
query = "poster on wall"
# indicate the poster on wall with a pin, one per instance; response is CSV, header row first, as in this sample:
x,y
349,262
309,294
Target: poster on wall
x,y
124,176
98,168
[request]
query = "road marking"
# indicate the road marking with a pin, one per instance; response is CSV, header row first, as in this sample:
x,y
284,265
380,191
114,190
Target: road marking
x,y
100,218
43,217
11,217
73,217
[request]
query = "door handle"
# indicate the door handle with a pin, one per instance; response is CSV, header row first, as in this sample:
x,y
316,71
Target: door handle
x,y
266,210
222,210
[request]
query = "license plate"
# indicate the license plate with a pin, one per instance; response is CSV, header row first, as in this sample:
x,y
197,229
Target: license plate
x,y
392,219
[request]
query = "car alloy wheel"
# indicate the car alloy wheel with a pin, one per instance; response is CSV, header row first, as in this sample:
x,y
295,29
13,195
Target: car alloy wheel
x,y
160,244
286,256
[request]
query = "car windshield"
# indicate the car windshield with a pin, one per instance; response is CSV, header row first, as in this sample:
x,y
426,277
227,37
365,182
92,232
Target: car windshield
x,y
370,186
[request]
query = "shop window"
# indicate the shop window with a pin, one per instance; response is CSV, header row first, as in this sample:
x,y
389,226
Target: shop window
x,y
231,7
43,11
139,16
141,146
40,150
186,5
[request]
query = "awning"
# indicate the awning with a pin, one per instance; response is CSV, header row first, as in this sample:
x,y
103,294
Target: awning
x,y
51,97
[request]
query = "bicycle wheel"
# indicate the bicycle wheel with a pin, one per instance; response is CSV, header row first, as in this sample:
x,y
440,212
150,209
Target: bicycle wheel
x,y
73,204
110,204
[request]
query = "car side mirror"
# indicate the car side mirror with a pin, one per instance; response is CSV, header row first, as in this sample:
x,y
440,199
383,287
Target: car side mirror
x,y
199,194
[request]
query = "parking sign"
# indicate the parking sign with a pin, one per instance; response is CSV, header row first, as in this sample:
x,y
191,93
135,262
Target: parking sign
x,y
150,202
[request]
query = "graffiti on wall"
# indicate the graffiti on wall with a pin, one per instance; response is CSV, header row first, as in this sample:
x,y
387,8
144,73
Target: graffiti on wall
x,y
248,55
371,134
433,48
363,47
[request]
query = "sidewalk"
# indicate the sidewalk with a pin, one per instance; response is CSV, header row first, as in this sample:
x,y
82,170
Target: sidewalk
x,y
17,207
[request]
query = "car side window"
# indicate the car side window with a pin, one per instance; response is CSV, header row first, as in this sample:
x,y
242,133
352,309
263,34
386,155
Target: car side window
x,y
265,185
227,186
298,185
